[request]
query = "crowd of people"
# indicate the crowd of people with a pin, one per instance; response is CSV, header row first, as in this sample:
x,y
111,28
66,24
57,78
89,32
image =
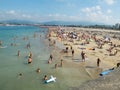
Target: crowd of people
x,y
84,38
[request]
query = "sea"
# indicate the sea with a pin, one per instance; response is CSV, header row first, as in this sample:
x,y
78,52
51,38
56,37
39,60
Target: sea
x,y
16,73
16,38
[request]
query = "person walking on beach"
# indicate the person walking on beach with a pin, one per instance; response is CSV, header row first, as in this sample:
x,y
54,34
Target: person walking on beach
x,y
54,42
115,52
71,47
72,52
61,64
98,62
66,49
118,64
83,56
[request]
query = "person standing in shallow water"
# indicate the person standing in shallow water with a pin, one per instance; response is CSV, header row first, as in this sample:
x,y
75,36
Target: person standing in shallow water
x,y
0,43
18,54
98,62
49,61
30,54
55,65
28,45
51,57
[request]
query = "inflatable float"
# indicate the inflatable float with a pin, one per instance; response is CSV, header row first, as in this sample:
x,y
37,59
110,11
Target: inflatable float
x,y
106,72
52,79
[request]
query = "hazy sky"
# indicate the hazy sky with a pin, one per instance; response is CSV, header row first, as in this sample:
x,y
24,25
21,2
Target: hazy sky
x,y
105,11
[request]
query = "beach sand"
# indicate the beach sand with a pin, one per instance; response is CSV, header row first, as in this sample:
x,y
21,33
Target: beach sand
x,y
88,70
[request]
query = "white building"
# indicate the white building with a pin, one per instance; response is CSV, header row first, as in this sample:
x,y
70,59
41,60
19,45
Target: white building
x,y
117,25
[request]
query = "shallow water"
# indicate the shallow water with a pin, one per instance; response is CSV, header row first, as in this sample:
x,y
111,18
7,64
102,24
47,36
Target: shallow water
x,y
11,65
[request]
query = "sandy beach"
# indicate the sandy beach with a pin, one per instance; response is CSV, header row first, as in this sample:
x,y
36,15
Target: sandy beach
x,y
90,71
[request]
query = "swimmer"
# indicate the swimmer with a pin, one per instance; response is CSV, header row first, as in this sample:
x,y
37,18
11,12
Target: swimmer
x,y
38,70
20,74
29,60
11,44
49,61
45,77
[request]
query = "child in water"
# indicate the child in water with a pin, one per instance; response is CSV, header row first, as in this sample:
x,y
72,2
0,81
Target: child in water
x,y
45,78
38,70
29,60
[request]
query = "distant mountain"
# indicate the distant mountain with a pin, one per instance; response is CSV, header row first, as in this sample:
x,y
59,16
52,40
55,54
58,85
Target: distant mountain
x,y
17,22
84,23
71,23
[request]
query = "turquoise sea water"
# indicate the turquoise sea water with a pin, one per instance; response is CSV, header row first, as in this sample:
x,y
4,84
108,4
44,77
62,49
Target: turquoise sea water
x,y
11,65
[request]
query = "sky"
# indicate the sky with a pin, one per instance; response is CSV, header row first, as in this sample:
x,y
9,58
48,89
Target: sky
x,y
99,11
